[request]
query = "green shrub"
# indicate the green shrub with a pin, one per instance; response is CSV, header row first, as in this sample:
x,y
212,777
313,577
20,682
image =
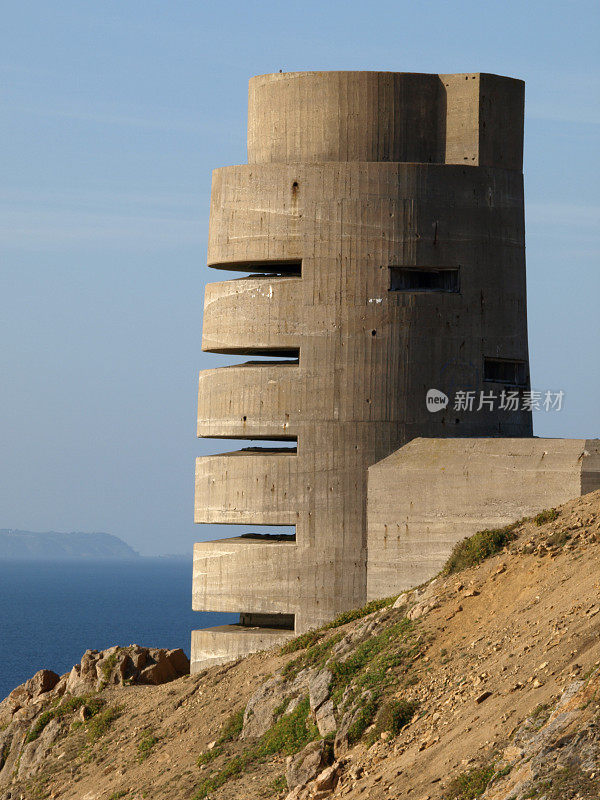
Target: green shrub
x,y
470,784
549,515
232,728
477,548
395,715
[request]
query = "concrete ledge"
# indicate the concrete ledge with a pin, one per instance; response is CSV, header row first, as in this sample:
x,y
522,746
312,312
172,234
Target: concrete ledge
x,y
213,646
248,575
250,314
250,401
247,487
432,493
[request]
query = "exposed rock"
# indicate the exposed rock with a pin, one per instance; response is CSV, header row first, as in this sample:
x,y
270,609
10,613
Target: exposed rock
x,y
307,764
33,753
563,747
325,718
119,665
30,691
259,714
318,688
327,780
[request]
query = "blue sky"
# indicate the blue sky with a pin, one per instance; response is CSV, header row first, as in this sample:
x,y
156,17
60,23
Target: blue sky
x,y
114,115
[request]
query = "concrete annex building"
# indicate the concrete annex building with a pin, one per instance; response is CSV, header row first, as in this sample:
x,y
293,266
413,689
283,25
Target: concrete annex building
x,y
380,221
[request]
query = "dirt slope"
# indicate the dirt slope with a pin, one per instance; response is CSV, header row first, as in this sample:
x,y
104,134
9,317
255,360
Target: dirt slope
x,y
494,669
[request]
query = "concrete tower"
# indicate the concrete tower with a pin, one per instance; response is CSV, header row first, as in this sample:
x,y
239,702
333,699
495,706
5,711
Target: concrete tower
x,y
380,219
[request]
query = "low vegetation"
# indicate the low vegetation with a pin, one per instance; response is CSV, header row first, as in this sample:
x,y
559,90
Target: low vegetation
x,y
99,724
310,638
146,742
395,715
232,727
471,784
475,549
549,515
92,704
287,736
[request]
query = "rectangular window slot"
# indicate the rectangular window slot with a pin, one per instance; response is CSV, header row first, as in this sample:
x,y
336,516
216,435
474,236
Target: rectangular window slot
x,y
259,534
276,448
276,362
424,279
270,269
503,370
284,622
287,353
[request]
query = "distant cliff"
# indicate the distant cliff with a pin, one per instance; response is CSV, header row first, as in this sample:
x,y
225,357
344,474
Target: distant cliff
x,y
53,546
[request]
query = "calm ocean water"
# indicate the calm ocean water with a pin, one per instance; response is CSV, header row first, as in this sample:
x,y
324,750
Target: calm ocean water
x,y
50,613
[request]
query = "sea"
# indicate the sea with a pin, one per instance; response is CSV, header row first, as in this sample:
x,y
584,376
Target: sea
x,y
52,612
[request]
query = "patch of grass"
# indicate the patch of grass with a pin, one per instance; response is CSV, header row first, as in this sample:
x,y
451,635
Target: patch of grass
x,y
311,638
118,795
359,613
371,663
301,642
278,785
365,717
287,736
568,782
146,742
209,755
232,727
278,711
477,548
93,704
98,725
549,515
314,656
394,716
470,784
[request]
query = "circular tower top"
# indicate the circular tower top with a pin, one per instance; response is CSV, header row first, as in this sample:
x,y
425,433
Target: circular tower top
x,y
313,117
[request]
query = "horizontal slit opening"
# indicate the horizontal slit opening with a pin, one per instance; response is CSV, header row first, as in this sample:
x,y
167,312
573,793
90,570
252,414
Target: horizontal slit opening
x,y
290,354
261,449
424,279
282,267
284,437
284,622
505,370
261,534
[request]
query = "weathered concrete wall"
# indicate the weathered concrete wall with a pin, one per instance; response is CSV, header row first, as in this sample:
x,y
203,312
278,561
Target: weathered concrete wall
x,y
432,493
327,204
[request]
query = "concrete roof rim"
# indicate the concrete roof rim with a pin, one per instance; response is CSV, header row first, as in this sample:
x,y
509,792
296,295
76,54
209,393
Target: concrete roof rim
x,y
281,75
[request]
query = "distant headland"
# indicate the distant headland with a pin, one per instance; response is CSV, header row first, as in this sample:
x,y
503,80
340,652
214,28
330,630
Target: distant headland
x,y
52,546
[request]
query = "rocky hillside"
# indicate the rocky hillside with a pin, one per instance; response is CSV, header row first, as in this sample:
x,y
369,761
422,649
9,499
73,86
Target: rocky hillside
x,y
484,683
